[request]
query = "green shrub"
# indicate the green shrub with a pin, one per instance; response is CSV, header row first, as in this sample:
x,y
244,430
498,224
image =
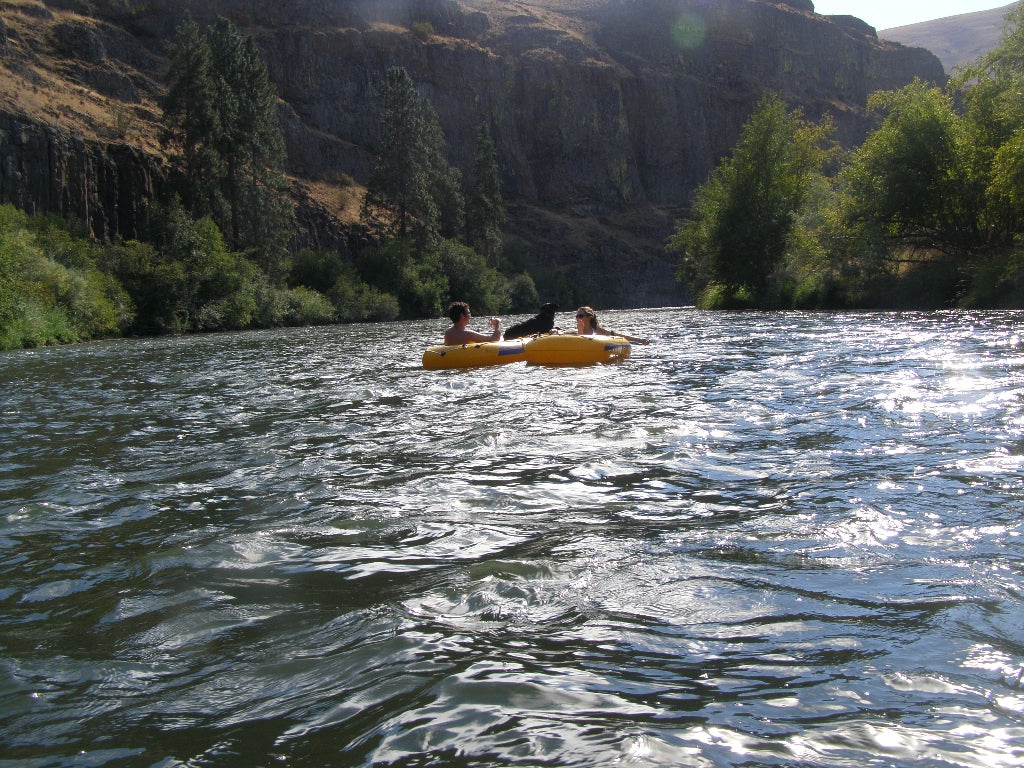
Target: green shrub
x,y
718,296
156,285
97,304
51,288
470,279
355,301
416,280
308,307
422,30
36,326
523,296
292,307
997,282
425,288
316,269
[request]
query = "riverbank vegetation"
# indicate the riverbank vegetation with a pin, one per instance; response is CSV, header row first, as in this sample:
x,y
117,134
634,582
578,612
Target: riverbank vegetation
x,y
925,213
214,253
928,212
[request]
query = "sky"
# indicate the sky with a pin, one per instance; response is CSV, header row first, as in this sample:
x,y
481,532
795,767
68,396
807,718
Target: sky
x,y
886,14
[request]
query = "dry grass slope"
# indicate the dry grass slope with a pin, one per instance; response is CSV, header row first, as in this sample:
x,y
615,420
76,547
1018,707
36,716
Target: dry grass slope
x,y
39,81
45,82
956,40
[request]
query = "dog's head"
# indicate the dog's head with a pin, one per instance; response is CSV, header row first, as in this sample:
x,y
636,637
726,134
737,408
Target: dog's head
x,y
549,309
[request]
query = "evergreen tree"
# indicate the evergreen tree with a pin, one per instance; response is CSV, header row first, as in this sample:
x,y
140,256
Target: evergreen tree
x,y
253,146
446,184
192,123
486,207
413,191
221,113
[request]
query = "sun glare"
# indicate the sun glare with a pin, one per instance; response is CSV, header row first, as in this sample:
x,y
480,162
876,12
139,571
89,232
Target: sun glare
x,y
688,31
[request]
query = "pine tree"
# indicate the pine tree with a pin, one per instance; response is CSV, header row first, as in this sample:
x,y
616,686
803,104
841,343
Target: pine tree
x,y
413,191
192,121
486,208
221,112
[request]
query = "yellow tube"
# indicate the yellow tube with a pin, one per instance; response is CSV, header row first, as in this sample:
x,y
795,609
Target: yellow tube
x,y
475,354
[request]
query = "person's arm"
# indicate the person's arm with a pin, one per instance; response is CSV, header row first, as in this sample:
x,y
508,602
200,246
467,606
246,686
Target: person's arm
x,y
466,336
471,336
630,339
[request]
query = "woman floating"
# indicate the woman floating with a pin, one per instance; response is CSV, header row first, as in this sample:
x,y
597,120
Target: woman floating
x,y
588,325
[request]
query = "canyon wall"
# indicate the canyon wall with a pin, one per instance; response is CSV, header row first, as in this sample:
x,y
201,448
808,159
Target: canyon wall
x,y
606,114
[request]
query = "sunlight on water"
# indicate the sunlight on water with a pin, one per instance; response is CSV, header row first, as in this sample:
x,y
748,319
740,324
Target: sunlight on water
x,y
764,539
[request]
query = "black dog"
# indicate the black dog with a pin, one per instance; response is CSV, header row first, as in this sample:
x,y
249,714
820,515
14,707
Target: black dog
x,y
542,322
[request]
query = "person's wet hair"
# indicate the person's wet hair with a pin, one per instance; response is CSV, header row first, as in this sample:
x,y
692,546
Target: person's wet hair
x,y
456,310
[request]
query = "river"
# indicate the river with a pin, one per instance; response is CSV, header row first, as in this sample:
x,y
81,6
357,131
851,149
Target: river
x,y
785,539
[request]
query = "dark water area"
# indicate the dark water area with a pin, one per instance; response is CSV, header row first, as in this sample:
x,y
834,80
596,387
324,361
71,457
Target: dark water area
x,y
763,540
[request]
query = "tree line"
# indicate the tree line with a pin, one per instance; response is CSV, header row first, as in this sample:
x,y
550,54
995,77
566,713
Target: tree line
x,y
927,212
213,254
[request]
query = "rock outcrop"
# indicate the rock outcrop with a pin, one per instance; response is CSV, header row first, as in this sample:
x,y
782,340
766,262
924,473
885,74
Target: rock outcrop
x,y
44,169
606,114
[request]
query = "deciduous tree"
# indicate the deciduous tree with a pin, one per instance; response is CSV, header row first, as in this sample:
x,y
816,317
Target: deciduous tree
x,y
993,91
918,175
742,217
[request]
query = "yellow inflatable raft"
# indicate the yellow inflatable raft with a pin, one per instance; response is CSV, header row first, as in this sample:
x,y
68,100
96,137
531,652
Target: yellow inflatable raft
x,y
475,354
576,350
536,350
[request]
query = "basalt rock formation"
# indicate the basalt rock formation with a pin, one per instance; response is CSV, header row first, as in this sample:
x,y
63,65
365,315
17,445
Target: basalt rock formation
x,y
46,168
606,114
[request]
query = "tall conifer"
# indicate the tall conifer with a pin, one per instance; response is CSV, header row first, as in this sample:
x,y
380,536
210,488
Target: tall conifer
x,y
192,122
221,112
486,208
413,191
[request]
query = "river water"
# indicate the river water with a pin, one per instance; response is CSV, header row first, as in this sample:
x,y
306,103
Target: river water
x,y
763,540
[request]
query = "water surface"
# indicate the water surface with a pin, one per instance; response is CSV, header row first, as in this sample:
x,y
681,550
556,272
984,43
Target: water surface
x,y
763,540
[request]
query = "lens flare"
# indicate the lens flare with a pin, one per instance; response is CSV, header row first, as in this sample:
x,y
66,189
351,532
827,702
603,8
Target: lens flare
x,y
689,31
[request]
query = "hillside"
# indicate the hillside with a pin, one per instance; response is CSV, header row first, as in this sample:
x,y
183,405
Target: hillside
x,y
607,114
956,40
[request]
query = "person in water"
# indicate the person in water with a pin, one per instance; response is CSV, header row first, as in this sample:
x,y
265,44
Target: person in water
x,y
588,325
459,314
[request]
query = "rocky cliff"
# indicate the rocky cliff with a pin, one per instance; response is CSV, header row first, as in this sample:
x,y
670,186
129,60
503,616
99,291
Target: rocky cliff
x,y
44,168
606,113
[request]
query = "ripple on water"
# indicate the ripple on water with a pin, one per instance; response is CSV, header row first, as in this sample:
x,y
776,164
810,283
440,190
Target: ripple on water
x,y
764,539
